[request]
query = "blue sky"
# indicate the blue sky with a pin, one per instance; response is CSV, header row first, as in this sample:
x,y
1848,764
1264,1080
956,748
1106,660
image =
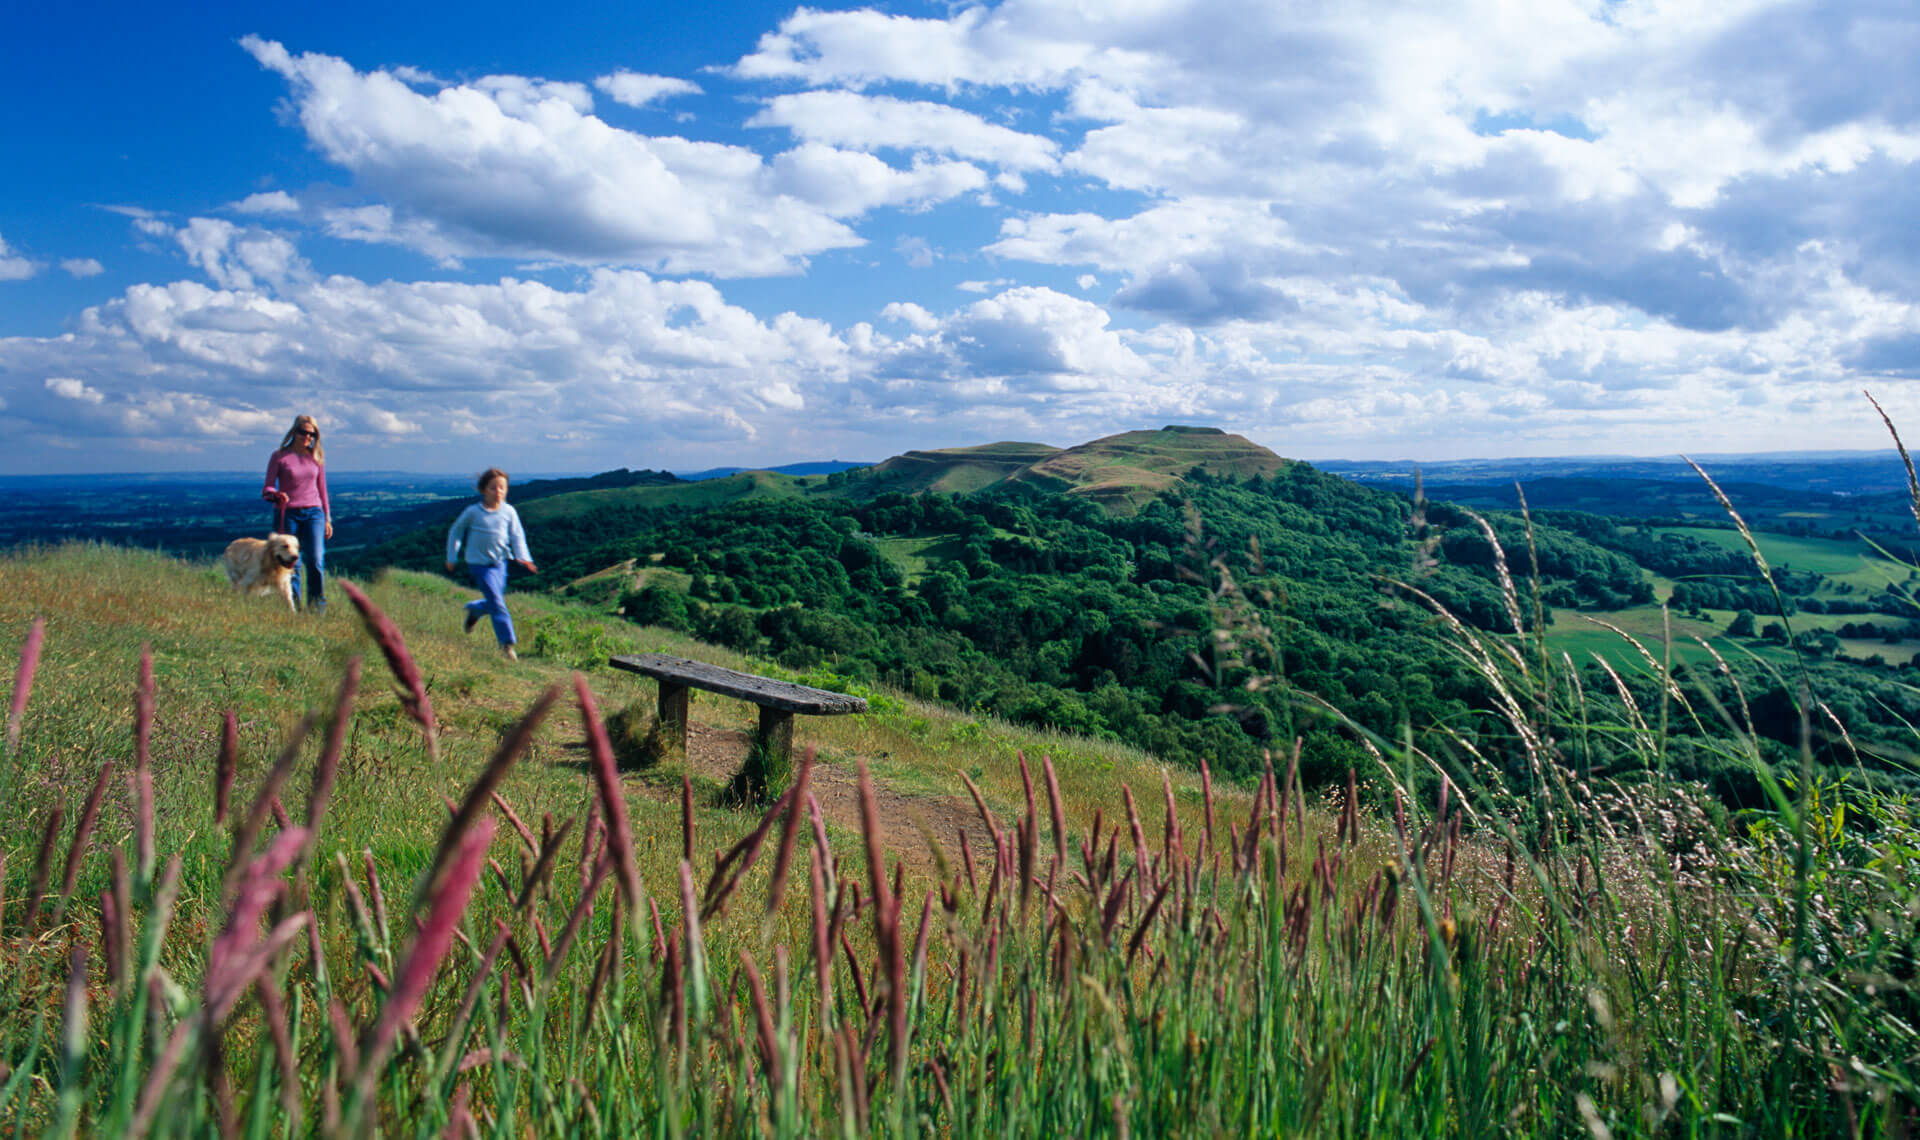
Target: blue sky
x,y
584,236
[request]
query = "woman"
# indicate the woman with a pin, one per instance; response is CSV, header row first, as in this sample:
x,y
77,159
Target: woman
x,y
489,534
297,487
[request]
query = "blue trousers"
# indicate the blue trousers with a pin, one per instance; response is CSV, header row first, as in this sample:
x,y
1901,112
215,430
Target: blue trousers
x,y
309,525
492,581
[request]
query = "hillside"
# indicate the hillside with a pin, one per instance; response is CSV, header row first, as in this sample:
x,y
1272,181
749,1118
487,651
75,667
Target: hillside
x,y
1207,961
213,651
1120,472
1124,472
1083,589
954,470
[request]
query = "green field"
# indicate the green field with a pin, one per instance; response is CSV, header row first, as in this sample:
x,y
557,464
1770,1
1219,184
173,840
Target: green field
x,y
915,555
1581,636
1849,560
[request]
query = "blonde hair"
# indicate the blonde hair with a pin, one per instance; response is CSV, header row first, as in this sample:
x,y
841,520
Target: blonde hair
x,y
286,442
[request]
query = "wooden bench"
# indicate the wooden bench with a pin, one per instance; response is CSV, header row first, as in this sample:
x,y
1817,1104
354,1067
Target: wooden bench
x,y
769,765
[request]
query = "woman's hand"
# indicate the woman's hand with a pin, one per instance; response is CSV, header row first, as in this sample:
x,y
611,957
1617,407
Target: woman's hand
x,y
329,528
531,568
449,567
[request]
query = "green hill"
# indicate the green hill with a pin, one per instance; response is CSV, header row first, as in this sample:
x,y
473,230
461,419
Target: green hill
x,y
955,470
1120,472
668,496
1124,472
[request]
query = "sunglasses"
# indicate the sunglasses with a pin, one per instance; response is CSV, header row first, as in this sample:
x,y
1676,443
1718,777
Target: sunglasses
x,y
304,433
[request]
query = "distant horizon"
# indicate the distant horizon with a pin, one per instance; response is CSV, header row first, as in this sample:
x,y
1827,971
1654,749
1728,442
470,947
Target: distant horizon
x,y
1785,456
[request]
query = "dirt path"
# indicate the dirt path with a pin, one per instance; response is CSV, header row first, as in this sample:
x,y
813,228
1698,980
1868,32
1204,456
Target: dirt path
x,y
906,822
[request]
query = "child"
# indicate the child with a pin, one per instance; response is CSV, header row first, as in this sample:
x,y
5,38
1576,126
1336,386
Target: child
x,y
489,534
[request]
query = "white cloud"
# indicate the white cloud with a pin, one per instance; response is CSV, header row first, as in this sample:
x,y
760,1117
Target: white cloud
x,y
236,257
13,267
386,423
82,267
875,122
843,182
518,168
636,90
523,98
1014,45
1357,227
269,202
67,388
912,314
417,77
628,361
622,359
916,251
1460,150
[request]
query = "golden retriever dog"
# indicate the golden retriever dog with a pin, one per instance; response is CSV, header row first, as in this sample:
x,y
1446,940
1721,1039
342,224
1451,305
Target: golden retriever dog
x,y
263,566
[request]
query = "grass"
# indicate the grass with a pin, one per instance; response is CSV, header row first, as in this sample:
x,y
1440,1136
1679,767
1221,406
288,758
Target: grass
x,y
1850,561
704,493
916,554
1508,950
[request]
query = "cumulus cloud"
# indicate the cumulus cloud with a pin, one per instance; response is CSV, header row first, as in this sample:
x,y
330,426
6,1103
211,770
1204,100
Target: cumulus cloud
x,y
844,182
876,122
82,267
627,361
516,167
67,388
1013,46
268,202
235,257
622,359
1366,227
13,267
635,90
1546,150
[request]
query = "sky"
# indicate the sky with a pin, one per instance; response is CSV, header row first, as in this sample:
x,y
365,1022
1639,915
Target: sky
x,y
577,236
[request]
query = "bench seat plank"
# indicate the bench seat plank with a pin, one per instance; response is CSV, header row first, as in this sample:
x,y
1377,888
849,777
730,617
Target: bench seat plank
x,y
783,695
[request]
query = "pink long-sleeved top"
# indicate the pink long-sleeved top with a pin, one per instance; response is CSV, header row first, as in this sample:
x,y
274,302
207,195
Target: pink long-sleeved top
x,y
302,478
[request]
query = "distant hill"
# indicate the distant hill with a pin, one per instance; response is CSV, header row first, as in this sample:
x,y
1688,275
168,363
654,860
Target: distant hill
x,y
442,512
955,470
818,467
1838,472
1121,472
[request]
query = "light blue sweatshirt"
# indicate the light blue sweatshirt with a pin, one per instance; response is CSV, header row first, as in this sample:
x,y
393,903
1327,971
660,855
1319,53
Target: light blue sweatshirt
x,y
488,536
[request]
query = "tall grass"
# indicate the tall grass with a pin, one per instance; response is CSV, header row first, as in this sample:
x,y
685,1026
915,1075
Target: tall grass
x,y
1507,945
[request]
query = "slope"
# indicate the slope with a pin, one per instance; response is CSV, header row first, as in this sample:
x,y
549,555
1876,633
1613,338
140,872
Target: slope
x,y
1124,472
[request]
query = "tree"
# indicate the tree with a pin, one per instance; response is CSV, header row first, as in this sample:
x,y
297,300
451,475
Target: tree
x,y
1741,625
655,605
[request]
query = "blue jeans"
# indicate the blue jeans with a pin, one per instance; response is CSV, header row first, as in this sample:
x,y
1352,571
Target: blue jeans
x,y
309,525
492,580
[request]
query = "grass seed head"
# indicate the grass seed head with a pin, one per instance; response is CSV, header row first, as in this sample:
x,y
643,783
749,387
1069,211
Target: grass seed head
x,y
413,687
23,680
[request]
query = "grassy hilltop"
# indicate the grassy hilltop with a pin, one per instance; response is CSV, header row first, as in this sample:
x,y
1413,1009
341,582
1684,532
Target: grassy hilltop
x,y
1099,945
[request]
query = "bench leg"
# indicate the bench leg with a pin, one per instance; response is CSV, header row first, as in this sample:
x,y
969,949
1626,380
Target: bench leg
x,y
769,767
673,721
